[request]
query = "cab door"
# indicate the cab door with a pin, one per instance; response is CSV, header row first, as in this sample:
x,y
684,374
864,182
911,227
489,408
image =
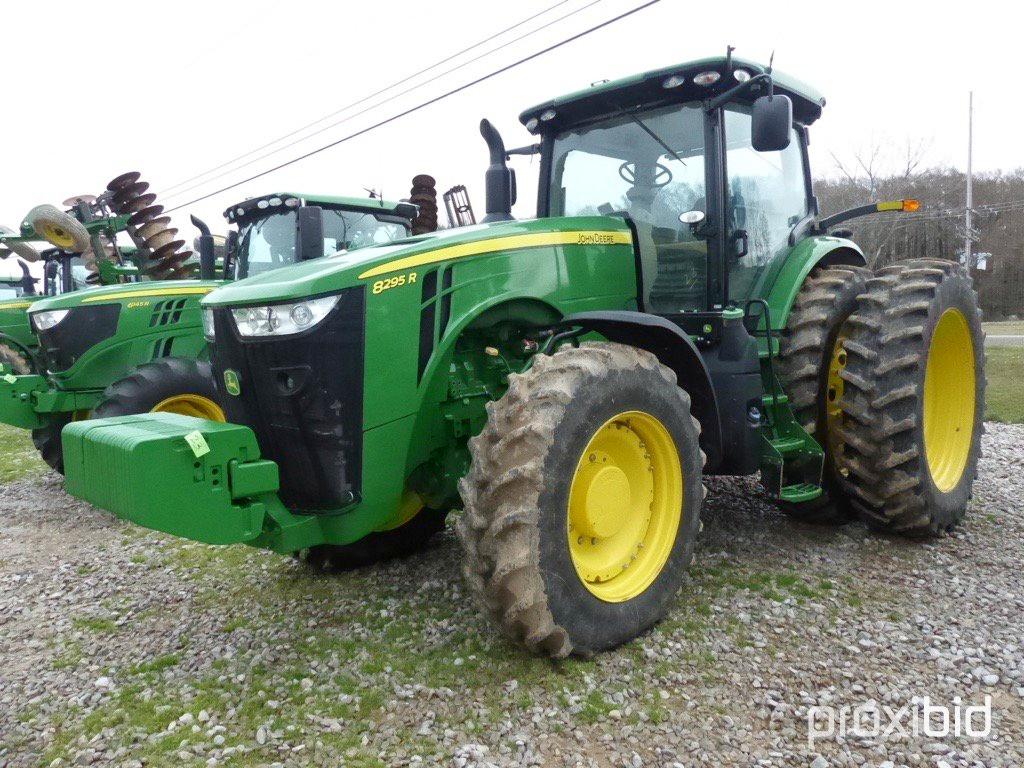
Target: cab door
x,y
767,198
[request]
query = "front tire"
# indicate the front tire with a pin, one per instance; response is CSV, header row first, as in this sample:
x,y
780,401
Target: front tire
x,y
14,361
914,397
582,503
47,442
168,385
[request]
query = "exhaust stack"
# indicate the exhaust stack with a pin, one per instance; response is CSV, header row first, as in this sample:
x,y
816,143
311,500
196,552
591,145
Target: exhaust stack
x,y
499,181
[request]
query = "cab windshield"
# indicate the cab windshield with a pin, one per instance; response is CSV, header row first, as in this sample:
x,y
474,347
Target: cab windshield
x,y
53,284
649,166
269,243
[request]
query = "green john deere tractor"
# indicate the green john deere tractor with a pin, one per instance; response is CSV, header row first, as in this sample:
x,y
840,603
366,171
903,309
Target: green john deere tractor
x,y
139,347
676,309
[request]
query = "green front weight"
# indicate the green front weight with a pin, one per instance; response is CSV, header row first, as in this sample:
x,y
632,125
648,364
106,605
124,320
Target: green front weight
x,y
143,469
17,401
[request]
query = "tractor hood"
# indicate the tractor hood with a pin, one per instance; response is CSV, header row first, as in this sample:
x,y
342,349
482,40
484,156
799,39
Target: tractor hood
x,y
110,294
12,312
366,265
16,306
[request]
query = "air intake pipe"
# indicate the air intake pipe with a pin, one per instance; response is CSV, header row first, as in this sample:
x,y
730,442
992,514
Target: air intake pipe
x,y
499,181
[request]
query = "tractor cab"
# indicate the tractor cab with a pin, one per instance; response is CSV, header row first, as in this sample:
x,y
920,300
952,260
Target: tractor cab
x,y
680,153
284,228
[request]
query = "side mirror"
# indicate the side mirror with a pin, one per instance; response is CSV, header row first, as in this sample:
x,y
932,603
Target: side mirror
x,y
309,233
407,211
771,124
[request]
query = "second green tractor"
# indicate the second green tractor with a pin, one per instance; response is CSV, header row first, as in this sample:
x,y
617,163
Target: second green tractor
x,y
137,347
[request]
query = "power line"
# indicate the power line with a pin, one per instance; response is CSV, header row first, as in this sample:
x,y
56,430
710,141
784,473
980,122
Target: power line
x,y
380,103
422,105
366,98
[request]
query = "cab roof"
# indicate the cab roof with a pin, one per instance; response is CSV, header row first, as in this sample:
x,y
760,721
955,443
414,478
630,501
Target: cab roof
x,y
648,89
372,205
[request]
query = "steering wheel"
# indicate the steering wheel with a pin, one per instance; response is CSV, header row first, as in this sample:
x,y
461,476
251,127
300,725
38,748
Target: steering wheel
x,y
662,174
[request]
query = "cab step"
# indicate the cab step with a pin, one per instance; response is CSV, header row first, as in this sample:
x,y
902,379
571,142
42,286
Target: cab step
x,y
800,493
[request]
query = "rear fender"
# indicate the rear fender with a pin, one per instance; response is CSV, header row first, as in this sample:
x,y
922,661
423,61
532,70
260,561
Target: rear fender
x,y
808,254
676,350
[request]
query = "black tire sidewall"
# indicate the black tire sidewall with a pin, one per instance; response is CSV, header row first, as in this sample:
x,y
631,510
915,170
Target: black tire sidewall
x,y
592,623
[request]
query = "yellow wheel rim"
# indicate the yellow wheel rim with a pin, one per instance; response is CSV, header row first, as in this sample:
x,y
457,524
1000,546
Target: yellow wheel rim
x,y
625,506
834,389
410,505
949,400
57,236
191,405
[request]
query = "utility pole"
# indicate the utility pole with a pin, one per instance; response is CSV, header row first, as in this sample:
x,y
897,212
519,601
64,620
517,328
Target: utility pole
x,y
968,232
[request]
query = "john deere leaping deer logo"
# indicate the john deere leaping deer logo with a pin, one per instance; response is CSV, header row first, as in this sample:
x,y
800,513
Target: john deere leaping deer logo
x,y
231,383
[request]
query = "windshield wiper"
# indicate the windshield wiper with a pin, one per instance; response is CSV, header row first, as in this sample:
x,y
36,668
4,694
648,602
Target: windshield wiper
x,y
646,129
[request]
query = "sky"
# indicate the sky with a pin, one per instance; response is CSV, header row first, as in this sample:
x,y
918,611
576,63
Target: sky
x,y
173,91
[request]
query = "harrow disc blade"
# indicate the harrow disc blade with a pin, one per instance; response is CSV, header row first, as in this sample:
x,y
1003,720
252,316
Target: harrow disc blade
x,y
170,266
161,238
146,214
123,180
71,202
147,230
125,196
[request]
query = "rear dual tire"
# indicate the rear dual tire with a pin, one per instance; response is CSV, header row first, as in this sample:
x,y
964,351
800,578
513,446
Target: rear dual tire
x,y
914,398
807,366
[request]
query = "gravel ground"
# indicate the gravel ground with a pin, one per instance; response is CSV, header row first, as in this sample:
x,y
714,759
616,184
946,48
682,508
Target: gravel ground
x,y
120,646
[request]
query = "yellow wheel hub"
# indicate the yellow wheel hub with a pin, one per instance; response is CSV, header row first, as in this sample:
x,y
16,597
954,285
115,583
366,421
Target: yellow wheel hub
x,y
625,505
57,236
835,386
949,400
191,405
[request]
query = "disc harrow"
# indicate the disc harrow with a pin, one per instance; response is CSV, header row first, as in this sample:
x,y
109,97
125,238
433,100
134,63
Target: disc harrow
x,y
149,229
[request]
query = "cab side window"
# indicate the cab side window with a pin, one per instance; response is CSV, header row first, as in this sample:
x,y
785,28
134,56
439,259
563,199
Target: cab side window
x,y
767,197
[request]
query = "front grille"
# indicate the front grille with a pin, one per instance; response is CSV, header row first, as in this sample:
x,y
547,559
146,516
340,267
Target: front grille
x,y
76,334
167,312
303,397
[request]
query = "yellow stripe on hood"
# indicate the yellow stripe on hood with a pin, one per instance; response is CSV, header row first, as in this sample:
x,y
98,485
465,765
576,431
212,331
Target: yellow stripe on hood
x,y
203,289
495,244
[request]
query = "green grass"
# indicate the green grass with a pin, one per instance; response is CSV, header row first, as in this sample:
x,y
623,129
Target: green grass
x,y
95,624
18,456
1004,367
1005,328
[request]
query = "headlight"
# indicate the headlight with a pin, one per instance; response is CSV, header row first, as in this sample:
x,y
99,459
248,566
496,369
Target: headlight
x,y
283,319
208,324
44,321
